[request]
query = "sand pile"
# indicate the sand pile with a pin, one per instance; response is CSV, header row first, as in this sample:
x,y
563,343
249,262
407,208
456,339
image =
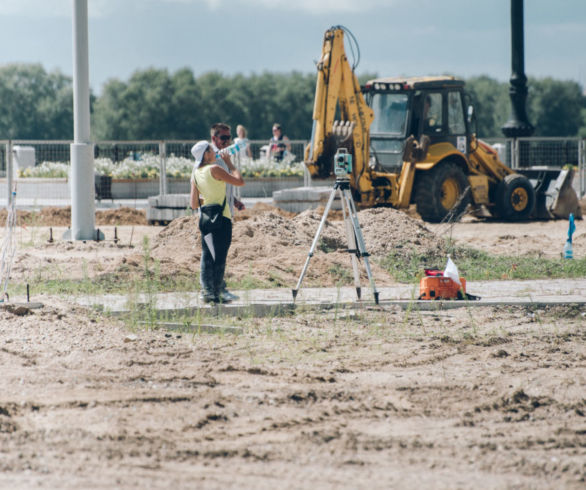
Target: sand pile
x,y
121,216
387,230
269,248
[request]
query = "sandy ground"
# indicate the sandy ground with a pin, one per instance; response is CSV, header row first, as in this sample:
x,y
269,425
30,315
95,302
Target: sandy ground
x,y
482,398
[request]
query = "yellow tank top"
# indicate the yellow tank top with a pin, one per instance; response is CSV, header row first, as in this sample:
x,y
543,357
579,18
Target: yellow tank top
x,y
212,190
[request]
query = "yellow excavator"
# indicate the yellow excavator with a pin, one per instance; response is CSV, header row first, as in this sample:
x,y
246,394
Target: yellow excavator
x,y
413,141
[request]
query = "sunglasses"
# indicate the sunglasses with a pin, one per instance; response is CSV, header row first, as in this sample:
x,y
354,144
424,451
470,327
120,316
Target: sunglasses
x,y
224,137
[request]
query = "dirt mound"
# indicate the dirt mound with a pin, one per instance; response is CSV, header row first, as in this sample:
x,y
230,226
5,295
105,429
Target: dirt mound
x,y
261,208
61,216
387,229
121,216
48,216
269,248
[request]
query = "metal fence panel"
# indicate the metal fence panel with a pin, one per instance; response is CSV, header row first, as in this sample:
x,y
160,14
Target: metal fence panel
x,y
134,165
141,169
548,152
504,148
27,156
129,169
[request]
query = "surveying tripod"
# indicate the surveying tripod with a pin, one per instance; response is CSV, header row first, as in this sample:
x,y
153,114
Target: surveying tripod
x,y
356,245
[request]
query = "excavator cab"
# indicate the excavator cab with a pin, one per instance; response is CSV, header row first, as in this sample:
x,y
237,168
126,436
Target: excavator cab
x,y
431,106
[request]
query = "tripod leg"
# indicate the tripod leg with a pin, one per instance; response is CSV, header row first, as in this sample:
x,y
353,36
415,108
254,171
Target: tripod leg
x,y
314,243
360,241
351,240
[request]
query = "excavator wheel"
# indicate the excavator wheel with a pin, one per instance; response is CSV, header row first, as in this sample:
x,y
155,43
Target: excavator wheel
x,y
441,191
515,198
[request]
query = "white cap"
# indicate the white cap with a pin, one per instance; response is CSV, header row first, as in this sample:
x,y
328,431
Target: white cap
x,y
198,150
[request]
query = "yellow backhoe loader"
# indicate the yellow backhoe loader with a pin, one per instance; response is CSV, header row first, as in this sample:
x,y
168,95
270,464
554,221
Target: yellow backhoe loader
x,y
413,141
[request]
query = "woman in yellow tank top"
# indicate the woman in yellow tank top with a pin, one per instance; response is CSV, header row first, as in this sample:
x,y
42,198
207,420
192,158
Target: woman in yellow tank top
x,y
208,182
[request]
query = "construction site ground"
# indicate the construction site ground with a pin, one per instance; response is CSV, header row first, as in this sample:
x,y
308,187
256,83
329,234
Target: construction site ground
x,y
330,394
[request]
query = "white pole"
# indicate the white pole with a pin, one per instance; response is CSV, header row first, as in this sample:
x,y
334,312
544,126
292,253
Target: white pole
x,y
9,171
82,150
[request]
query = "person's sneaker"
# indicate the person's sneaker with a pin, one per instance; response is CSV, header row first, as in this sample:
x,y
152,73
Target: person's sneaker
x,y
226,296
208,297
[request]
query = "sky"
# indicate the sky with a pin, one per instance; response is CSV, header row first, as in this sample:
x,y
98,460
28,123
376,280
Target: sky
x,y
395,37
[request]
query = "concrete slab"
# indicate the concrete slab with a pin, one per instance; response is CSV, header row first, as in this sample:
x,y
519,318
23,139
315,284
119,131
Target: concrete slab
x,y
275,302
189,327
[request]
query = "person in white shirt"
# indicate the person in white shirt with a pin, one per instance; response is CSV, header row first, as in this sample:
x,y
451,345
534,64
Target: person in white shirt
x,y
221,138
242,141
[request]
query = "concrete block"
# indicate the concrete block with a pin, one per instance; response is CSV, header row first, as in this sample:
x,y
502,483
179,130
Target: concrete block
x,y
301,198
164,215
169,201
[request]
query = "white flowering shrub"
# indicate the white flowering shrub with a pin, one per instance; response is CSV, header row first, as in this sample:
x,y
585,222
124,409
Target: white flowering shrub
x,y
147,167
179,167
129,168
46,170
104,166
264,167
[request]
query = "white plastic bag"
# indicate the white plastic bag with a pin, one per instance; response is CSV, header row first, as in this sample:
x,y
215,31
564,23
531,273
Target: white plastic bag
x,y
451,271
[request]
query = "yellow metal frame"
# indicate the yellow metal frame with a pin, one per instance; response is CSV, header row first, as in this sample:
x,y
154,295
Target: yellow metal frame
x,y
337,84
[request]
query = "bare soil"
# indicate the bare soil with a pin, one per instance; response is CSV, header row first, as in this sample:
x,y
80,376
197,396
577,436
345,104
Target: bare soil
x,y
489,397
61,216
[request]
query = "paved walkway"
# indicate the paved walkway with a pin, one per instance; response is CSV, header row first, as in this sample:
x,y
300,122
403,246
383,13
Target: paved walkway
x,y
266,301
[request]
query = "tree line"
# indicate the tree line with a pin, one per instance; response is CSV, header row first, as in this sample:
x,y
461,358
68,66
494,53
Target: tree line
x,y
155,104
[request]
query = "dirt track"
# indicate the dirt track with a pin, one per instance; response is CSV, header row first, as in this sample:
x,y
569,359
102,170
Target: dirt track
x,y
482,398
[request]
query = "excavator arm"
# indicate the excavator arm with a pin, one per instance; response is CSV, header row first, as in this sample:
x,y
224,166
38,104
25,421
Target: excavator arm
x,y
337,86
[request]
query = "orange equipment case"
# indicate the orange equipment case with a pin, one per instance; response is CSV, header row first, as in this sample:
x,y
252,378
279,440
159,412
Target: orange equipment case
x,y
440,287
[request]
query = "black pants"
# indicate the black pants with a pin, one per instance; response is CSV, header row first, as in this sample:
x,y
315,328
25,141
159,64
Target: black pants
x,y
213,265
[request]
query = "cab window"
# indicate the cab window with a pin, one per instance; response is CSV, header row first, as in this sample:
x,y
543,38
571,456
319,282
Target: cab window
x,y
432,113
390,113
456,122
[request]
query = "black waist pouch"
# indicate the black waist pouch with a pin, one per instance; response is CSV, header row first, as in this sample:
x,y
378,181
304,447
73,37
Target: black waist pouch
x,y
210,218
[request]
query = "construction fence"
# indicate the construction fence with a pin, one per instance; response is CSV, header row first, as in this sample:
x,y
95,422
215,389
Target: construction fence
x,y
135,170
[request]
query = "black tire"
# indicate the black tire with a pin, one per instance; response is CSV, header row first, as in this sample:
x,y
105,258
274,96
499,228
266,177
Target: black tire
x,y
441,191
515,198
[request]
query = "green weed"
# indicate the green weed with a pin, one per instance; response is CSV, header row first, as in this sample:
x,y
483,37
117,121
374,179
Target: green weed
x,y
249,282
341,275
477,265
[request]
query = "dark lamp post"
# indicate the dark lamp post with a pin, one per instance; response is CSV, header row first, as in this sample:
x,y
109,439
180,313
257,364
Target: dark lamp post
x,y
518,124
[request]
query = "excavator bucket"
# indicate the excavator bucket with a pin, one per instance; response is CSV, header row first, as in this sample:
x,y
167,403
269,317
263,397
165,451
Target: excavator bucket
x,y
555,196
562,200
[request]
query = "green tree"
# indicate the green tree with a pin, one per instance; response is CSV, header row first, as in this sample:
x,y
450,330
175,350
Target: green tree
x,y
152,105
491,104
35,104
187,106
554,107
156,105
582,132
140,109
